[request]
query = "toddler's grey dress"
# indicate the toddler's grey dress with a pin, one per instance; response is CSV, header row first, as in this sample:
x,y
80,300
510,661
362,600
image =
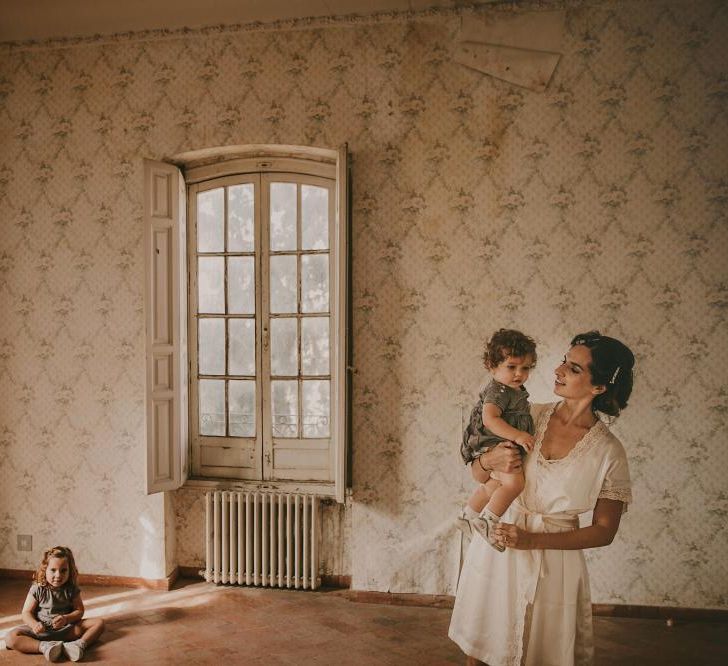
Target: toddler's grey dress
x,y
515,412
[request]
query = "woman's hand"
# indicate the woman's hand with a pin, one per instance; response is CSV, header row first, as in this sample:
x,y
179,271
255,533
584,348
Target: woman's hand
x,y
59,621
504,457
511,536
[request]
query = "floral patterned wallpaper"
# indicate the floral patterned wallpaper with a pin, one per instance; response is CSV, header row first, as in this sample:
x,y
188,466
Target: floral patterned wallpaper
x,y
602,203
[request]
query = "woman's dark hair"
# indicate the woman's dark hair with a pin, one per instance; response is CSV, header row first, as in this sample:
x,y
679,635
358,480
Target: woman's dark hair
x,y
506,342
611,366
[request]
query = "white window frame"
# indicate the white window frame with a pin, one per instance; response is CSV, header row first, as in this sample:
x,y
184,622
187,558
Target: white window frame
x,y
200,166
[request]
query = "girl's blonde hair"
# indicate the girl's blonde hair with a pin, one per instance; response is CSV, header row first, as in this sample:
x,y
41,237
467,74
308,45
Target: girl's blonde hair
x,y
57,551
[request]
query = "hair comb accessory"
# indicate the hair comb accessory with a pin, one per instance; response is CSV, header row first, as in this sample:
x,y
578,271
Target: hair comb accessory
x,y
588,339
614,376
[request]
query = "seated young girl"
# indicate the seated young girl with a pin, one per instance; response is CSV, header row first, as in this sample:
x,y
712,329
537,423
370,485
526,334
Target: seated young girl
x,y
53,612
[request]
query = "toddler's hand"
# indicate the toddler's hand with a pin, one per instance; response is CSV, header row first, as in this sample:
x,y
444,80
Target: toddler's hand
x,y
525,440
38,628
59,621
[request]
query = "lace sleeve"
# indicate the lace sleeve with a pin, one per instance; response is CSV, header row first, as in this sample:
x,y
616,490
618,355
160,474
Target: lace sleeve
x,y
617,484
620,494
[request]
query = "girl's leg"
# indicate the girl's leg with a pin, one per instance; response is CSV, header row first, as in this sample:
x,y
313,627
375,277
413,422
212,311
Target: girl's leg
x,y
92,629
482,494
510,488
86,632
22,643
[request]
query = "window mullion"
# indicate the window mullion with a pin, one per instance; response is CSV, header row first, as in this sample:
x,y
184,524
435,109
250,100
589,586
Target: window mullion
x,y
263,384
299,297
226,344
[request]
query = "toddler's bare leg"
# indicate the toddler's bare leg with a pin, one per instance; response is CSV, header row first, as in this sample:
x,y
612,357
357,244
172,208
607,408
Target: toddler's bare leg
x,y
510,487
482,494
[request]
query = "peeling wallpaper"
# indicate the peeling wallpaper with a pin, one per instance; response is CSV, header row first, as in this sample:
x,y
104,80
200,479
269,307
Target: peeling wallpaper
x,y
601,203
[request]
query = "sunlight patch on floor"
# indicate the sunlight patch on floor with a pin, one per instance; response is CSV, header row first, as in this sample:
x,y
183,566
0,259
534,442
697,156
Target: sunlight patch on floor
x,y
120,604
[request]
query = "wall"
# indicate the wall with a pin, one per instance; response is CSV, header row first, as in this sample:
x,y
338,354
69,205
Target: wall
x,y
599,204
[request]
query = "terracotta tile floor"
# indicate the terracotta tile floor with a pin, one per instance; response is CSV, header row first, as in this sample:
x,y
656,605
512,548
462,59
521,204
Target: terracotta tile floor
x,y
199,623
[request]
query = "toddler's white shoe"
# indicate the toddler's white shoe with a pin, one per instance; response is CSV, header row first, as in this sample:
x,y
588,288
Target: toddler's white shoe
x,y
74,650
484,525
51,650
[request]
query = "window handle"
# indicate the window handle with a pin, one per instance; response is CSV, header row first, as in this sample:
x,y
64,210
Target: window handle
x,y
266,339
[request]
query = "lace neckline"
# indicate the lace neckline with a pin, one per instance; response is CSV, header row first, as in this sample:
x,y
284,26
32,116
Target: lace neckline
x,y
581,444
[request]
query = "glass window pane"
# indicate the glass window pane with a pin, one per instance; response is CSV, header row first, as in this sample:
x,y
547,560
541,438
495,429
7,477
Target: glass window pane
x,y
315,346
314,218
240,218
211,284
242,346
210,212
283,216
212,407
241,285
285,408
283,347
211,346
316,406
315,283
283,292
241,395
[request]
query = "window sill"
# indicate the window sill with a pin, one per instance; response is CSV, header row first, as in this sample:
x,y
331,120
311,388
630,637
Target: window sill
x,y
309,488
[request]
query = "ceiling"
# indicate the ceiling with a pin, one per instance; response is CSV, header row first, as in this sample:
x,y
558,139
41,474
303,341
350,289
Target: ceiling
x,y
22,20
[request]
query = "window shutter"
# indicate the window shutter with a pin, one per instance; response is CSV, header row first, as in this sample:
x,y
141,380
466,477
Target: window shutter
x,y
166,325
340,406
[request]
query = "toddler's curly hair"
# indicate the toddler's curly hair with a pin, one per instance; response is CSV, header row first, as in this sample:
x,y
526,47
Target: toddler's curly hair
x,y
507,342
57,551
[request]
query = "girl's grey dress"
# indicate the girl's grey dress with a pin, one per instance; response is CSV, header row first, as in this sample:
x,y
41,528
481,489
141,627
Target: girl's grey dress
x,y
51,602
515,410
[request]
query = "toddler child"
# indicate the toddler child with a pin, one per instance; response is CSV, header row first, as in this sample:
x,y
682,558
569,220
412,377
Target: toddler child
x,y
53,612
501,414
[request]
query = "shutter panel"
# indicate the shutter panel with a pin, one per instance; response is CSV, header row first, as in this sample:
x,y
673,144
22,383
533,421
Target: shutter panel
x,y
342,360
165,251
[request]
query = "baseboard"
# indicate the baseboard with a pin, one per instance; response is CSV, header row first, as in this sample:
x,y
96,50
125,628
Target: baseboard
x,y
660,612
190,572
400,598
599,610
338,582
102,579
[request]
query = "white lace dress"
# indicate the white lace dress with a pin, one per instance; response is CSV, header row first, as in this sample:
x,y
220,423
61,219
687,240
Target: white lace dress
x,y
533,607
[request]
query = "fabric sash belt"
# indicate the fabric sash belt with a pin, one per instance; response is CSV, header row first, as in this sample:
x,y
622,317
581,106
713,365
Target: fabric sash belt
x,y
532,521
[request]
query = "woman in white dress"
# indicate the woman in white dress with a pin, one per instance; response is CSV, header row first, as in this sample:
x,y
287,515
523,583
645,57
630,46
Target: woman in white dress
x,y
531,604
